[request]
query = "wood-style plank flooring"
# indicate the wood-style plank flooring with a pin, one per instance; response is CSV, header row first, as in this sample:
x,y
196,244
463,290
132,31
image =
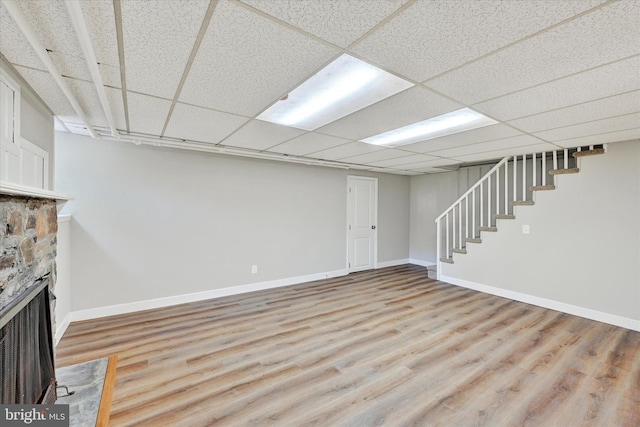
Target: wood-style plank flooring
x,y
387,347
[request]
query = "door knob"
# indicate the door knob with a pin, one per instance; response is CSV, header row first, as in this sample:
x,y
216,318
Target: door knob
x,y
373,227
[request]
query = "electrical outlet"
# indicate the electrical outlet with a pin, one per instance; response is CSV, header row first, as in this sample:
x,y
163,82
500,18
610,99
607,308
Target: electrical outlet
x,y
254,269
525,229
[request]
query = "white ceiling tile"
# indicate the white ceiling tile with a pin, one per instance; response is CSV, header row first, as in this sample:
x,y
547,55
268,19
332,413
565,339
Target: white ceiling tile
x,y
595,110
87,97
369,158
13,44
244,71
50,21
260,135
48,90
345,150
487,133
406,159
308,143
616,78
500,144
605,138
612,124
338,22
586,42
200,124
411,106
158,38
499,154
408,173
101,24
146,113
431,37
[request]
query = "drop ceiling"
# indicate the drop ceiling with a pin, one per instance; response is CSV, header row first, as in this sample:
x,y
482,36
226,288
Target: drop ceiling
x,y
197,73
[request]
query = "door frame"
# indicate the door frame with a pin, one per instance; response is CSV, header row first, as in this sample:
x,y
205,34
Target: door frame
x,y
375,219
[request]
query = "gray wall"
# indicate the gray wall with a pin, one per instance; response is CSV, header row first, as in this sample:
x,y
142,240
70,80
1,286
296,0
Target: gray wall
x,y
584,245
36,120
150,223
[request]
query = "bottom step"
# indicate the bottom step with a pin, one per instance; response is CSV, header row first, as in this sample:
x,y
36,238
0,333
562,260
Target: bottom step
x,y
447,260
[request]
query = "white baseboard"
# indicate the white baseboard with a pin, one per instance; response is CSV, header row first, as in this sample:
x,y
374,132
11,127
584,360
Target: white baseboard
x,y
587,313
61,328
113,310
421,262
393,263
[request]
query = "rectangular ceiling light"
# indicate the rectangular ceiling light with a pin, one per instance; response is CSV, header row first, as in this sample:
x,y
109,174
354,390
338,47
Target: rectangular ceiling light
x,y
344,86
435,127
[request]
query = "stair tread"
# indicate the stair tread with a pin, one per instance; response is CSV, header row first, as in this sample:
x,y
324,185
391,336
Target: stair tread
x,y
586,153
474,240
542,187
522,203
432,268
491,229
447,260
564,171
504,216
459,250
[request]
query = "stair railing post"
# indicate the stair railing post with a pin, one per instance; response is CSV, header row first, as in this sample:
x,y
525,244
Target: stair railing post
x,y
438,250
446,222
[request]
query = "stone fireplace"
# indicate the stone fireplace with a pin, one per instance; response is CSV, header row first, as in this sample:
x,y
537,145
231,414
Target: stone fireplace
x,y
28,227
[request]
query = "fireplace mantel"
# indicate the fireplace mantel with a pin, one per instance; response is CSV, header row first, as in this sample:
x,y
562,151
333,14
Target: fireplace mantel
x,y
24,191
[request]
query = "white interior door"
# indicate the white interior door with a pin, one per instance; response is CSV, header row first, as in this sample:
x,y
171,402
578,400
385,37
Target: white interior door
x,y
362,217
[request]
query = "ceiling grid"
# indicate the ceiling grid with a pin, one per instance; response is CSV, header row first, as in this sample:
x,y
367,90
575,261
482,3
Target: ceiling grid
x,y
197,73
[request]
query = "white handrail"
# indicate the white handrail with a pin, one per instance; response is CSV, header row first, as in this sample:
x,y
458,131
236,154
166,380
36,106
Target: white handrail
x,y
476,185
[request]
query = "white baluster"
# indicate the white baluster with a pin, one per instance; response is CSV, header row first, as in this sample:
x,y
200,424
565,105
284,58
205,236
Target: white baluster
x,y
515,177
566,158
498,192
460,223
555,159
489,201
473,214
535,167
524,177
544,168
466,217
506,188
481,203
446,226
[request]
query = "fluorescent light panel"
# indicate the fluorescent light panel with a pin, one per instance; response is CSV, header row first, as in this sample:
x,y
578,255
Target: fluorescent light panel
x,y
435,127
339,89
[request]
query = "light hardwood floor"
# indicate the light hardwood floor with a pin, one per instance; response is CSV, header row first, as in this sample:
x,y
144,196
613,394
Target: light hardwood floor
x,y
385,347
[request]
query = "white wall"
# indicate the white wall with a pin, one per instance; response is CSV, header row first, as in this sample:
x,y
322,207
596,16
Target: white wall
x,y
150,223
584,245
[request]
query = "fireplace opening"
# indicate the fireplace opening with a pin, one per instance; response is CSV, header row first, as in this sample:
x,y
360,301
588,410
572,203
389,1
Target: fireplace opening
x,y
26,348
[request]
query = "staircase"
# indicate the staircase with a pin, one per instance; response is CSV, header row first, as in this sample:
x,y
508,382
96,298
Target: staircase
x,y
511,182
